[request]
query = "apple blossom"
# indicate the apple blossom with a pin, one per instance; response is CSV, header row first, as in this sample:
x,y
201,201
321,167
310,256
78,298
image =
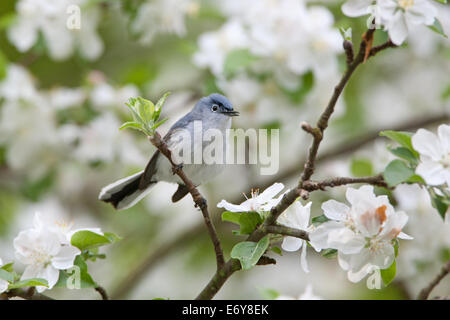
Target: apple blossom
x,y
44,255
258,202
434,166
50,18
3,283
363,234
397,16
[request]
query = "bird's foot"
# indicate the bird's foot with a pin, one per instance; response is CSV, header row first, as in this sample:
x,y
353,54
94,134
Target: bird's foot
x,y
177,168
202,204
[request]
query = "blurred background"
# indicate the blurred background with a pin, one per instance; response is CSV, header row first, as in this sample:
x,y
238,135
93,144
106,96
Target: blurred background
x,y
62,94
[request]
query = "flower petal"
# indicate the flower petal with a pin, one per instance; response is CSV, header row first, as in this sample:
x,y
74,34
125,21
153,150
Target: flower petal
x,y
303,261
432,172
232,207
319,236
335,210
291,244
356,8
427,144
65,258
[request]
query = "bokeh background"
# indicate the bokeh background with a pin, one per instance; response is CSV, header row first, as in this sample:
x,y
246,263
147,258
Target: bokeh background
x,y
62,95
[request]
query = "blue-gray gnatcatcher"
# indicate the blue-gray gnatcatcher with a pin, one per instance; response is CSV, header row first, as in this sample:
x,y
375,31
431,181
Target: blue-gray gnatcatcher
x,y
214,112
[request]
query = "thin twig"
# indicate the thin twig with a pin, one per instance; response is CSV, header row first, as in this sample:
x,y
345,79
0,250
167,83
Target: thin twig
x,y
287,231
199,200
102,292
425,292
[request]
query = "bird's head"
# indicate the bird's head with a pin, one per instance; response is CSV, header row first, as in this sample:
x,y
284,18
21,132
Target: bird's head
x,y
217,106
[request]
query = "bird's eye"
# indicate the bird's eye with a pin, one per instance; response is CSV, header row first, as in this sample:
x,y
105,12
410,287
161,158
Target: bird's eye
x,y
214,107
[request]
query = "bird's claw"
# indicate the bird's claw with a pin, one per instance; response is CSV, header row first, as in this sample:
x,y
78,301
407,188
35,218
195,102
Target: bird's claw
x,y
202,204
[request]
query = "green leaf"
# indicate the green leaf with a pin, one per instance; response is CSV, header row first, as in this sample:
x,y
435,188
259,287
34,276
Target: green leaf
x,y
441,1
159,123
389,274
329,253
319,220
6,275
161,102
361,168
440,204
231,216
249,253
112,237
405,154
146,109
402,138
33,282
397,172
415,179
8,267
132,125
236,60
269,294
248,221
85,239
3,65
78,273
437,27
307,83
277,250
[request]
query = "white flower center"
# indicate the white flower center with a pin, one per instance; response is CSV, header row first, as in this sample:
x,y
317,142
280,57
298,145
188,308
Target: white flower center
x,y
405,4
41,257
254,205
446,161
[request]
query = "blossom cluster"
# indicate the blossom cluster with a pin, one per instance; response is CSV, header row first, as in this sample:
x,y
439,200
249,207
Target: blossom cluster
x,y
45,249
398,17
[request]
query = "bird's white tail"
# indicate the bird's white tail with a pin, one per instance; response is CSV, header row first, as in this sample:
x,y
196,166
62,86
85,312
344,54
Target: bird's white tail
x,y
124,193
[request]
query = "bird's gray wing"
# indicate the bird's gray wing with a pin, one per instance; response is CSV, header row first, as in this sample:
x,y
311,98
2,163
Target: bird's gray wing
x,y
150,169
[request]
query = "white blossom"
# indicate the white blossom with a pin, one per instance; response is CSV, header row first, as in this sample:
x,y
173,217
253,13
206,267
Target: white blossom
x,y
3,283
362,233
49,18
258,202
307,295
162,16
44,255
397,16
214,46
434,166
297,218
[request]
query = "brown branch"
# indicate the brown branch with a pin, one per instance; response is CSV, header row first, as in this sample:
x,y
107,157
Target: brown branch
x,y
102,292
425,292
348,48
310,186
287,231
29,294
199,201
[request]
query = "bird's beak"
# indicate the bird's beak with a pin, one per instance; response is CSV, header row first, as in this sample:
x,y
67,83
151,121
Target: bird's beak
x,y
231,113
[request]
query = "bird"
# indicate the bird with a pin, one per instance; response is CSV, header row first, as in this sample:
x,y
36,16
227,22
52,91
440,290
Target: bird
x,y
214,112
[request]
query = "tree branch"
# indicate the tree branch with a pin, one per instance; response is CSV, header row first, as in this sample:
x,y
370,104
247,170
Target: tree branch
x,y
425,292
199,201
287,231
102,292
